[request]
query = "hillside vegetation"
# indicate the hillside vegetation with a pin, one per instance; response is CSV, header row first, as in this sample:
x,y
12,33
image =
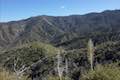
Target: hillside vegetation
x,y
76,47
41,61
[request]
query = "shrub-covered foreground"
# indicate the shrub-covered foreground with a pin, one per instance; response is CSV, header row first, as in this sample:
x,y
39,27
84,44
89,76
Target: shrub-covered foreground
x,y
107,72
41,61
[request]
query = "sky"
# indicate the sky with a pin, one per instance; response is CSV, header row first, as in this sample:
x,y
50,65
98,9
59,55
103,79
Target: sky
x,y
12,10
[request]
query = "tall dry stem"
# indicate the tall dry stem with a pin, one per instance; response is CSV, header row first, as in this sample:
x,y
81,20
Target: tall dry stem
x,y
66,66
91,53
59,67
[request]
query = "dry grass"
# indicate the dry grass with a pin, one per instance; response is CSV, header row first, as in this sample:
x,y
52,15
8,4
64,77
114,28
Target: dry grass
x,y
7,75
107,72
57,78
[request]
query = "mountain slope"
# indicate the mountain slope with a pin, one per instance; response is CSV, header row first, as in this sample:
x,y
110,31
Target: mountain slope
x,y
67,31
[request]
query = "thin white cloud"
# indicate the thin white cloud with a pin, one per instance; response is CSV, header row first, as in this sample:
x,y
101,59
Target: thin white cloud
x,y
62,7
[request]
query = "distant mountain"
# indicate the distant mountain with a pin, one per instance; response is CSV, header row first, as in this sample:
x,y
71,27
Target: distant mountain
x,y
67,31
33,42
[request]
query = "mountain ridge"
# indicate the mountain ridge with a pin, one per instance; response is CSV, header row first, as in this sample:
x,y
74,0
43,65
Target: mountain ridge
x,y
58,30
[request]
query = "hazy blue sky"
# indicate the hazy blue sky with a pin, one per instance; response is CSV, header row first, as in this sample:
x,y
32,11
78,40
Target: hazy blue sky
x,y
21,9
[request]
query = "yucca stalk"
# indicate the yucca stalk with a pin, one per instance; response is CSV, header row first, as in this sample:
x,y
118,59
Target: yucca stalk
x,y
66,69
91,53
59,68
66,66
